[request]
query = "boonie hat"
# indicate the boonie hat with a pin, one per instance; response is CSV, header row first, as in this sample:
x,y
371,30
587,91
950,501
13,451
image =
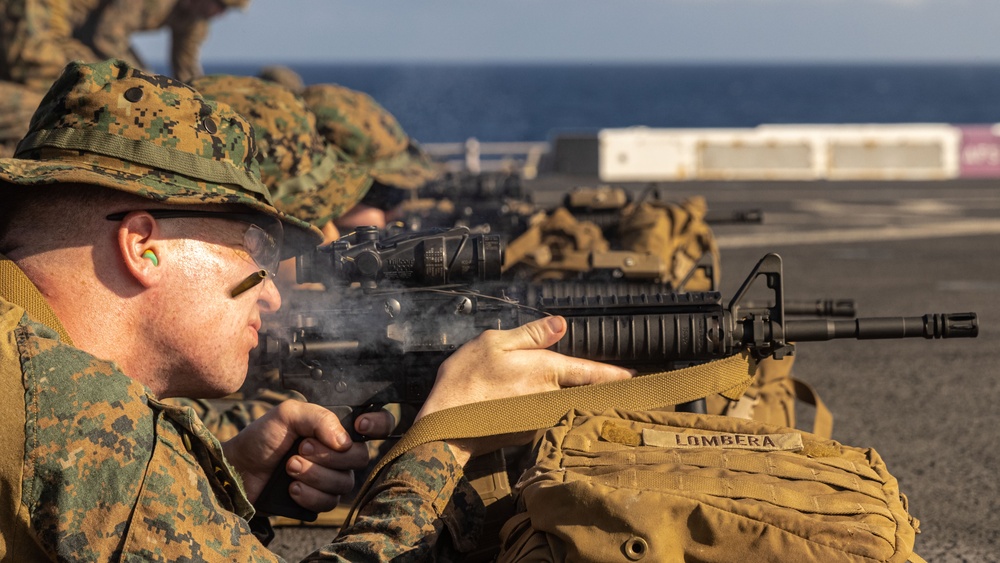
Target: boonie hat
x,y
282,75
110,124
369,134
306,177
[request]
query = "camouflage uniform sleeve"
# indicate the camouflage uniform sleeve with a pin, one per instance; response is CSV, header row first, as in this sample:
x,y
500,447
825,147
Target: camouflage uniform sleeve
x,y
186,36
421,508
112,29
36,41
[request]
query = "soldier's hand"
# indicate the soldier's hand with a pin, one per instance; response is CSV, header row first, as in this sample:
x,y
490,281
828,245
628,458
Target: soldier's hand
x,y
323,467
507,363
361,215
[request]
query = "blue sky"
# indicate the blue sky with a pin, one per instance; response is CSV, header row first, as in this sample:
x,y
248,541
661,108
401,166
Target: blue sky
x,y
602,30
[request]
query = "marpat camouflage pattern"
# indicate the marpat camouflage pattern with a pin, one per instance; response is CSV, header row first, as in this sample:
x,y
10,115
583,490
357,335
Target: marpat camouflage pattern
x,y
307,178
359,126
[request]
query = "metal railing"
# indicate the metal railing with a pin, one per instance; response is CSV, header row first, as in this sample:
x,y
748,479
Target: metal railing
x,y
475,156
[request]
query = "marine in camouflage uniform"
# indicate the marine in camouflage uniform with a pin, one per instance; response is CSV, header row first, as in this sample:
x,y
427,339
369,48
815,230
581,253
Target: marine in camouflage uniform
x,y
307,177
92,465
368,134
39,37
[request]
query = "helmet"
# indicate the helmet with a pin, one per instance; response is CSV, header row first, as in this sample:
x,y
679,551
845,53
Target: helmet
x,y
282,75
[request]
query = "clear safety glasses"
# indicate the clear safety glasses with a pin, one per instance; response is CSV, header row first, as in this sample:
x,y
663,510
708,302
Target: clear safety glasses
x,y
262,240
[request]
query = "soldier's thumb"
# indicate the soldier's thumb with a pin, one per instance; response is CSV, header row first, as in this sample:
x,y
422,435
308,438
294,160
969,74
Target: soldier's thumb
x,y
538,334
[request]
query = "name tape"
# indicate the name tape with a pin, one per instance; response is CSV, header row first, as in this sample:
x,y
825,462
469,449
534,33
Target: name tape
x,y
791,441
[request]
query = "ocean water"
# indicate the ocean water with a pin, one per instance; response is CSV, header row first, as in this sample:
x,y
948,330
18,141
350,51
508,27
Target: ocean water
x,y
513,102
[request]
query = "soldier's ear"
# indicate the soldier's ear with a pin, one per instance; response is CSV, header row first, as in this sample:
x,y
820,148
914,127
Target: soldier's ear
x,y
140,247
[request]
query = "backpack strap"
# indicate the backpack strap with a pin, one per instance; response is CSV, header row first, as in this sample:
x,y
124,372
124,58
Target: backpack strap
x,y
823,418
18,289
729,377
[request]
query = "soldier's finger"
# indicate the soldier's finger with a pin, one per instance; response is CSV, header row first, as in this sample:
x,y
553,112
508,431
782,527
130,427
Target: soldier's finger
x,y
356,457
571,372
378,424
537,334
316,477
307,419
312,499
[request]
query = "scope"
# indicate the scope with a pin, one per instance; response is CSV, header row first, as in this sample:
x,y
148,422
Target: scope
x,y
429,258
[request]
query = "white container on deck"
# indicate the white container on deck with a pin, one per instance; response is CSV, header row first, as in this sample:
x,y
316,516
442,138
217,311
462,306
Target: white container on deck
x,y
780,152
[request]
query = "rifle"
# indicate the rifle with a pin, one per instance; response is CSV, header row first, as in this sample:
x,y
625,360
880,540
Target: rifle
x,y
530,294
489,202
813,307
415,300
418,302
500,203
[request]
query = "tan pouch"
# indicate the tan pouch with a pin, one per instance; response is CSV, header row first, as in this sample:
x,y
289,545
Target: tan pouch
x,y
558,247
666,486
679,235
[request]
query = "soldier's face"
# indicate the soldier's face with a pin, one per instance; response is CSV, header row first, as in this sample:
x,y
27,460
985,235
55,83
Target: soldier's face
x,y
212,332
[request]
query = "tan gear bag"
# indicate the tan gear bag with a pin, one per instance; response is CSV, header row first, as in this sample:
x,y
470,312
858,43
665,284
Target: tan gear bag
x,y
558,246
678,235
666,486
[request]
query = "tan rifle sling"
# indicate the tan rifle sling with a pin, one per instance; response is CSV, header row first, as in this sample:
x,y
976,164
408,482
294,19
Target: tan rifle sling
x,y
729,377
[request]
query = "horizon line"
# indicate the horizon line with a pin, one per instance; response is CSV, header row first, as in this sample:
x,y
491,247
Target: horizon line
x,y
540,62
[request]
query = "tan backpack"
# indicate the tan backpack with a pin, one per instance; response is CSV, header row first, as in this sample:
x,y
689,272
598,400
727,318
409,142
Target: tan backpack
x,y
693,488
664,242
666,486
679,236
557,246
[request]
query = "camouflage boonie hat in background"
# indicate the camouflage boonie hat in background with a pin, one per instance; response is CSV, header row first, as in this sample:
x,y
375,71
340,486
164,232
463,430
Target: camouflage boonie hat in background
x,y
284,76
369,134
112,125
307,178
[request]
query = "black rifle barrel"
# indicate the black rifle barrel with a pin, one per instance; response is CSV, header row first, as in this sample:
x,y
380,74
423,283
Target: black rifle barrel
x,y
755,216
650,339
954,325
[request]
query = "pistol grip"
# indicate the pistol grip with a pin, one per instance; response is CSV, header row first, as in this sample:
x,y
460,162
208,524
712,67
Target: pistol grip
x,y
275,499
